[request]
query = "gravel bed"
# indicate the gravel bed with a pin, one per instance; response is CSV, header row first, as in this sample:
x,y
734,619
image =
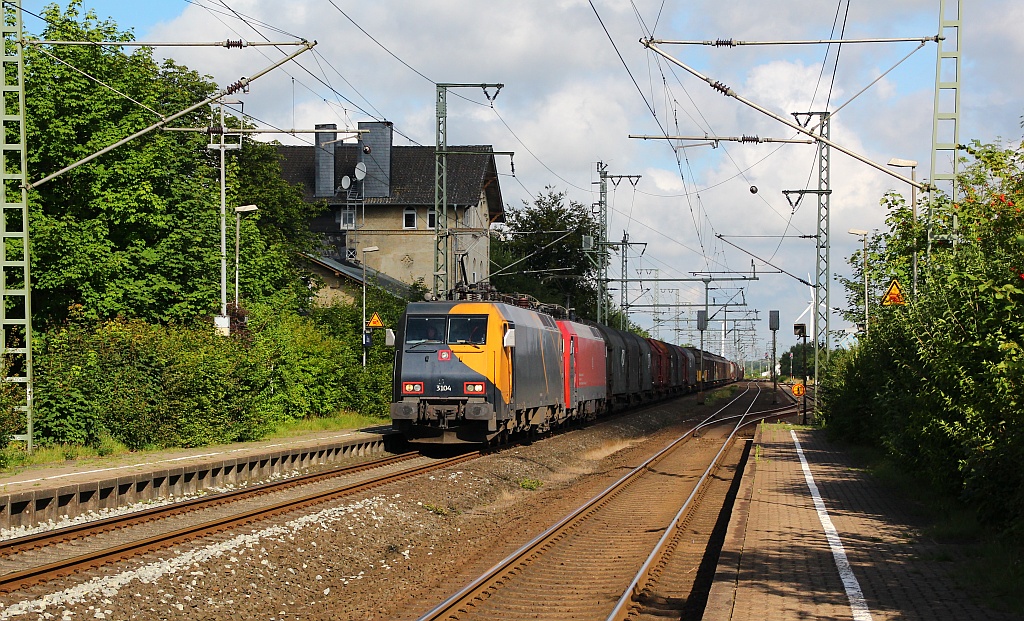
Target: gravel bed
x,y
390,554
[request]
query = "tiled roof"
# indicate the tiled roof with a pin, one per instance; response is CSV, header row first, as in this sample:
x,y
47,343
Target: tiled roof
x,y
412,171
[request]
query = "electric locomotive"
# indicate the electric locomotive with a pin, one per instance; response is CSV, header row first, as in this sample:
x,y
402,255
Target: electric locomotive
x,y
476,372
487,366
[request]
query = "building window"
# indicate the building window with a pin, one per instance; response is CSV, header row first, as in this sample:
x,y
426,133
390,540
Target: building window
x,y
351,254
347,218
431,218
409,218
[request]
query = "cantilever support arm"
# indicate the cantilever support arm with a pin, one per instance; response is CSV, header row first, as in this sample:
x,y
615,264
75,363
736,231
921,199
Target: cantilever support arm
x,y
725,90
235,87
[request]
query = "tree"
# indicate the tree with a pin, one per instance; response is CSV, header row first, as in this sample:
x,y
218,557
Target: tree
x,y
938,382
136,232
791,362
540,253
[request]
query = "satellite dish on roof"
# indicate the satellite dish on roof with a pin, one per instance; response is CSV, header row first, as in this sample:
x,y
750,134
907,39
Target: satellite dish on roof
x,y
360,171
346,181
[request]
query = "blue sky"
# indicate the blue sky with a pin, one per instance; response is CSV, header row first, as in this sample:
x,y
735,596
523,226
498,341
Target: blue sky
x,y
140,14
569,103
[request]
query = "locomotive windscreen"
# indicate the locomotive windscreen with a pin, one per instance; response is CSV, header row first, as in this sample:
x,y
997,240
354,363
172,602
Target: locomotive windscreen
x,y
421,329
466,329
446,329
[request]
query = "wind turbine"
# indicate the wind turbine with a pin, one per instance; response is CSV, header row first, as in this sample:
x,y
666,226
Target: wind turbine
x,y
812,303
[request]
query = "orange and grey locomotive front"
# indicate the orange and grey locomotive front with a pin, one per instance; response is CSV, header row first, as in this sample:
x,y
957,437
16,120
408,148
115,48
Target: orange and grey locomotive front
x,y
475,372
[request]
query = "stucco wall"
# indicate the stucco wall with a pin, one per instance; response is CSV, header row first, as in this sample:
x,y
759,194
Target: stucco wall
x,y
408,254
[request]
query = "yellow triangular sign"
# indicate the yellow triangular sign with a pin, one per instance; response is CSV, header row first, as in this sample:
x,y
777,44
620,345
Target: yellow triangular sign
x,y
894,296
375,322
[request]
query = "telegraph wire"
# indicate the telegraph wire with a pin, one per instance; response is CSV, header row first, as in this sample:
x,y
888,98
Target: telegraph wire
x,y
376,115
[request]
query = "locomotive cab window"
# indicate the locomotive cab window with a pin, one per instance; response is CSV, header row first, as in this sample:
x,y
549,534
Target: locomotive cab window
x,y
425,329
464,329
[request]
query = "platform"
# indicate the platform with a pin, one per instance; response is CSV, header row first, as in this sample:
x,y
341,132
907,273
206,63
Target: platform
x,y
50,492
813,537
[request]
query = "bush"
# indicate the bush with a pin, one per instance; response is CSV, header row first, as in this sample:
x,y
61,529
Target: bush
x,y
153,386
144,385
11,420
939,382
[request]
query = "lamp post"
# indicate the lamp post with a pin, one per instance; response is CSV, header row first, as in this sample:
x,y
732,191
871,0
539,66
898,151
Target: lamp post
x,y
221,321
238,225
912,165
365,334
864,234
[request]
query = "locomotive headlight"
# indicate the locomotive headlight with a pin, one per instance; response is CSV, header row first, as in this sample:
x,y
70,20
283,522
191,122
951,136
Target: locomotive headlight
x,y
412,388
473,387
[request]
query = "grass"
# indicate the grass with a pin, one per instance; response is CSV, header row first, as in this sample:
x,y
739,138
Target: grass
x,y
530,484
721,393
338,422
442,511
987,564
15,457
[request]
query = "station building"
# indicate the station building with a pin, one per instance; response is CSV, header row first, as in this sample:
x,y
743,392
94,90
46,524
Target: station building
x,y
382,195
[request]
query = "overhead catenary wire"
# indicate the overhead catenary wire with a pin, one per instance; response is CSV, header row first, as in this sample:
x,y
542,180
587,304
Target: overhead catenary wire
x,y
226,91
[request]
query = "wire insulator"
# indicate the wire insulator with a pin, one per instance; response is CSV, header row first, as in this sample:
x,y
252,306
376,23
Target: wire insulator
x,y
238,43
725,43
746,138
237,86
720,87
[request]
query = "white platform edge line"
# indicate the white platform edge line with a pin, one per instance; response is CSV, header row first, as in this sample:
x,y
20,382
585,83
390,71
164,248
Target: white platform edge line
x,y
858,605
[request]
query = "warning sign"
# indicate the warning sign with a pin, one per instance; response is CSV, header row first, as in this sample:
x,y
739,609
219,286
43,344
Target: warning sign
x,y
375,322
798,390
894,295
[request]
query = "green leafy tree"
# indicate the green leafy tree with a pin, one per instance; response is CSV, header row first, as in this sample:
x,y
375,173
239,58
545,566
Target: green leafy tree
x,y
540,253
938,382
792,361
135,233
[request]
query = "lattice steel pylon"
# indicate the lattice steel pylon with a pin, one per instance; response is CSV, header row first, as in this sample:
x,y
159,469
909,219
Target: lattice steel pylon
x,y
601,245
946,111
15,282
820,321
442,260
822,324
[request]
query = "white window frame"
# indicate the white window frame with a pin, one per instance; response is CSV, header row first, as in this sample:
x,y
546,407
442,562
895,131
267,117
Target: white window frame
x,y
405,218
347,218
431,218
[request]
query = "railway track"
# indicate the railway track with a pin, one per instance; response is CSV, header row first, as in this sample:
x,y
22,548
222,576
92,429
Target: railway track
x,y
586,565
42,557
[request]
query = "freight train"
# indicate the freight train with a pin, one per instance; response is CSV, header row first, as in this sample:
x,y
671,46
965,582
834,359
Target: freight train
x,y
480,371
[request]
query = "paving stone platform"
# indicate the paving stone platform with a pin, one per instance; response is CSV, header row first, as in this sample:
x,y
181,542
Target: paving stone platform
x,y
779,562
43,493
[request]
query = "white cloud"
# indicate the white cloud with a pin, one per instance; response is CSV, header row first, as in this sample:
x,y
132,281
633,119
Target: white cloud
x,y
571,102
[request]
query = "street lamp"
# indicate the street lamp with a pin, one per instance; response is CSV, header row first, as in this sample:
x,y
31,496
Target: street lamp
x,y
238,224
222,322
912,165
864,234
366,344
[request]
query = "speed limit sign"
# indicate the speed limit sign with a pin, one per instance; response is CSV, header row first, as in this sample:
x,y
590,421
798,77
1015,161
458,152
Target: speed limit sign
x,y
798,390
